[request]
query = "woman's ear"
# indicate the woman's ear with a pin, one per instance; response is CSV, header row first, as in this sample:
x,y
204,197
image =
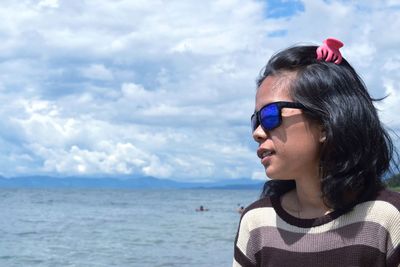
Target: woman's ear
x,y
322,135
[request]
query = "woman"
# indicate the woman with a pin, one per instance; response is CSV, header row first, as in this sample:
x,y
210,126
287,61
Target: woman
x,y
325,150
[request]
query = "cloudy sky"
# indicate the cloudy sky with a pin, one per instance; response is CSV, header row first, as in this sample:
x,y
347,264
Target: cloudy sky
x,y
164,88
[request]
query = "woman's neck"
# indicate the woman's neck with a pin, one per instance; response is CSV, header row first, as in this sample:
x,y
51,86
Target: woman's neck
x,y
306,200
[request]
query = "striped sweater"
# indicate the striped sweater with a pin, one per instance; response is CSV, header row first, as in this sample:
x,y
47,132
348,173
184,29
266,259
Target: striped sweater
x,y
367,235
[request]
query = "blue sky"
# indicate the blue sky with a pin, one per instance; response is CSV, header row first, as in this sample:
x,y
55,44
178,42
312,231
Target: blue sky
x,y
164,88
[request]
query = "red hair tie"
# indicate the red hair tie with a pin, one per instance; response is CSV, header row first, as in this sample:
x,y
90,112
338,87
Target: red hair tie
x,y
329,51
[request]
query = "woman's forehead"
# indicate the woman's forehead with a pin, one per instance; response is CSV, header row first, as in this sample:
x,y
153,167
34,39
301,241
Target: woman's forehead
x,y
272,89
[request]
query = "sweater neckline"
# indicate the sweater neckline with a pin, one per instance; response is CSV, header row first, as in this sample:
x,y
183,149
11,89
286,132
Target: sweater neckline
x,y
300,222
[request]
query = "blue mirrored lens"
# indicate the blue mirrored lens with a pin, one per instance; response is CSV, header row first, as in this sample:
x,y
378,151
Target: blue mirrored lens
x,y
270,117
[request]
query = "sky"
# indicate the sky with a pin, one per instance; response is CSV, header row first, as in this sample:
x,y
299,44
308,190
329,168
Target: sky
x,y
165,88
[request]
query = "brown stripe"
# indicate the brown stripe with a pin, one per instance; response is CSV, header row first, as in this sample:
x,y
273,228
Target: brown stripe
x,y
358,255
394,258
361,233
242,259
304,223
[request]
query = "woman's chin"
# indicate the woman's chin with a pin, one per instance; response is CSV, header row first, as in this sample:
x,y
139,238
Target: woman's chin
x,y
271,174
275,175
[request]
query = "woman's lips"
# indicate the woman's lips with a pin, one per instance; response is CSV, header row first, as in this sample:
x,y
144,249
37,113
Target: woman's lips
x,y
266,159
265,155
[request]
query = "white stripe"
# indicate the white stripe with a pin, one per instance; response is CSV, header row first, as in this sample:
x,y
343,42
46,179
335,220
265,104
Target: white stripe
x,y
236,264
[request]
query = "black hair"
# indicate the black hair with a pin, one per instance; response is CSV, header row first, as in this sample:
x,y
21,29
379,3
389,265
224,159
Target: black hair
x,y
358,150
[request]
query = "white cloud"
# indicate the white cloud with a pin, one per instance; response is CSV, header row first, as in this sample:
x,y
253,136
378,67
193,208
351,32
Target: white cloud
x,y
97,72
136,92
389,107
105,158
49,3
392,64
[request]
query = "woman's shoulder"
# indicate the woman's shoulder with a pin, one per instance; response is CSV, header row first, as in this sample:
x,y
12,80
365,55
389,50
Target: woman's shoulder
x,y
390,197
383,209
258,205
261,203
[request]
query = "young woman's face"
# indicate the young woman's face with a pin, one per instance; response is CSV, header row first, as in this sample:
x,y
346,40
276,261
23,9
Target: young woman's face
x,y
291,150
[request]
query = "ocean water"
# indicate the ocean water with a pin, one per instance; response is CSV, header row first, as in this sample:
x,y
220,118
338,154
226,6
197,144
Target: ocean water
x,y
109,227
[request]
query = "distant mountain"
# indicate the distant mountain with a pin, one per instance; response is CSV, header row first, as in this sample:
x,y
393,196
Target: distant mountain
x,y
242,183
125,182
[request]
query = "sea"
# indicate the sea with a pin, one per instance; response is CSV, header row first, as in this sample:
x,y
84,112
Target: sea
x,y
119,227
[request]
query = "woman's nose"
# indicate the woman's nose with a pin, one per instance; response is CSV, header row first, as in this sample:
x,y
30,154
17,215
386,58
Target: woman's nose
x,y
259,135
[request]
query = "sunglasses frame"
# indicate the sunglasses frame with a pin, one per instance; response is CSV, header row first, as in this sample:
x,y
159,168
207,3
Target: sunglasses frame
x,y
280,105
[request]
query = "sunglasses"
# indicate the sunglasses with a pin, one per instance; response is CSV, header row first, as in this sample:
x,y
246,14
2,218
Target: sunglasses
x,y
270,116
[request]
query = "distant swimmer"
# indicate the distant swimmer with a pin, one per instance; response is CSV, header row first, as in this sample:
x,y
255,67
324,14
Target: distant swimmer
x,y
240,210
201,209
